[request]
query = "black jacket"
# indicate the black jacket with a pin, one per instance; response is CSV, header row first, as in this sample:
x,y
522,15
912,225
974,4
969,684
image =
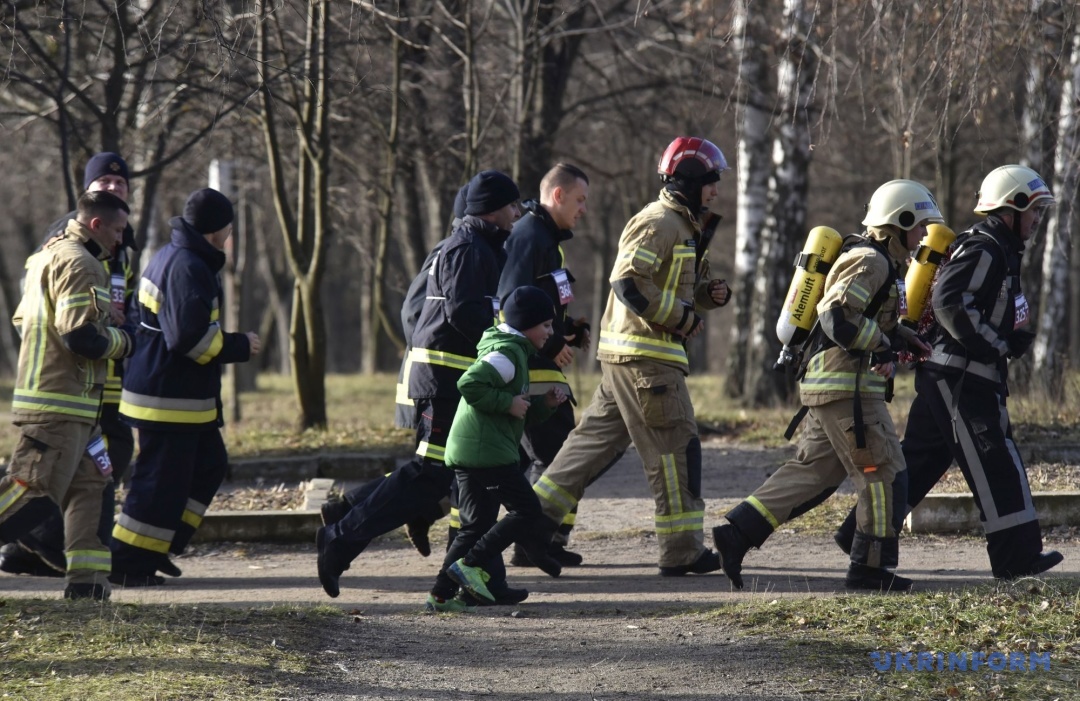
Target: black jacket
x,y
173,380
978,303
460,305
533,254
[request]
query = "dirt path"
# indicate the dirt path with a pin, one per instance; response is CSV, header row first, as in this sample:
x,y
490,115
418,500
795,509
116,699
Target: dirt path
x,y
611,629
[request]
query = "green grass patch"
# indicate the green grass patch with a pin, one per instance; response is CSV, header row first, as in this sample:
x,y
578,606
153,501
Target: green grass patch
x,y
56,649
830,640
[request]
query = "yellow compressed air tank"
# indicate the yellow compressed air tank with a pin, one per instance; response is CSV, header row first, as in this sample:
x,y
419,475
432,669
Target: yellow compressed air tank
x,y
920,274
807,286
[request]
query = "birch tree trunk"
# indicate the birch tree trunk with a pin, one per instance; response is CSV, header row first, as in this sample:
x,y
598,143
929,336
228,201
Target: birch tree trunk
x,y
753,163
1051,344
785,224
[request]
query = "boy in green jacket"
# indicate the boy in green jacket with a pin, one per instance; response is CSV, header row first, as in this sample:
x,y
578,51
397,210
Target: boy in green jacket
x,y
482,448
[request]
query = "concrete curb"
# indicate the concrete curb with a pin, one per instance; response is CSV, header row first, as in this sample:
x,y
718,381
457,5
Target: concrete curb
x,y
338,466
944,513
258,527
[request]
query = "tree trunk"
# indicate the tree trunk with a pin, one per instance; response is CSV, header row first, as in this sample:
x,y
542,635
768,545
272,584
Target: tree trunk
x,y
753,182
1051,344
785,225
307,348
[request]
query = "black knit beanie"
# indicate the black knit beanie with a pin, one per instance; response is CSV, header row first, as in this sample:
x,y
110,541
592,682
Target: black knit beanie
x,y
490,191
207,211
105,163
526,307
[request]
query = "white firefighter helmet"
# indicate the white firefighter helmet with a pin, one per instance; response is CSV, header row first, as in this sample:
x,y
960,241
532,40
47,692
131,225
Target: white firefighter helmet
x,y
902,203
1014,186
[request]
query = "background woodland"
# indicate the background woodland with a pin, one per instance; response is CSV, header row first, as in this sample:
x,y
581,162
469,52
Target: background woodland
x,y
342,130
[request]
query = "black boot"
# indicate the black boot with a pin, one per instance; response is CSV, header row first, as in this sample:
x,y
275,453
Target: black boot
x,y
505,596
1041,563
732,546
333,511
51,556
706,562
520,558
97,592
166,566
875,579
330,565
845,534
16,560
565,557
417,533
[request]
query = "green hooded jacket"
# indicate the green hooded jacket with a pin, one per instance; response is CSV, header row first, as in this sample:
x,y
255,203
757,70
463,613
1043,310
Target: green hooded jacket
x,y
484,434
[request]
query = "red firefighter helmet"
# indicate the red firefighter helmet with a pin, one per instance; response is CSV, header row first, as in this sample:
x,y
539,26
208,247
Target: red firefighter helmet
x,y
691,158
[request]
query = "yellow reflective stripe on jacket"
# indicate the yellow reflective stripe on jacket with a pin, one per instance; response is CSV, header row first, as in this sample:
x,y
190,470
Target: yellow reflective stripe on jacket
x,y
208,346
80,299
858,292
433,357
868,329
142,535
73,405
150,296
679,255
97,560
401,395
166,409
819,379
628,344
681,522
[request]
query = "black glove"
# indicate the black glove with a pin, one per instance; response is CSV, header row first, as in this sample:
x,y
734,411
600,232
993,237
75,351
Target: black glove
x,y
1019,342
578,329
882,357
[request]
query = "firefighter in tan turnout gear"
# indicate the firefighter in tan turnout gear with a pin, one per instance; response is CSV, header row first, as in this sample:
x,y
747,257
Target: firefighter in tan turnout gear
x,y
66,322
660,283
850,360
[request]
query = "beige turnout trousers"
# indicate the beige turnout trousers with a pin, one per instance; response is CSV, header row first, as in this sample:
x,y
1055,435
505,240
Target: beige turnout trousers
x,y
51,460
646,403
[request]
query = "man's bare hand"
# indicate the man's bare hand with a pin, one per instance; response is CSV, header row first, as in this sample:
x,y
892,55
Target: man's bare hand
x,y
519,406
116,316
253,342
719,291
884,369
566,355
554,397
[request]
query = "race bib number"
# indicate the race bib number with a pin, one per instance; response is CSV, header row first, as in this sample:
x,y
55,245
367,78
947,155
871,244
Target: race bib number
x,y
562,284
1023,311
117,290
100,455
901,297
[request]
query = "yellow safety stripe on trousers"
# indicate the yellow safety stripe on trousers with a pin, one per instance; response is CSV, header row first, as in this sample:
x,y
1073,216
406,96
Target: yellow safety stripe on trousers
x,y
877,508
97,560
193,513
554,494
142,535
455,518
671,483
431,451
680,522
12,495
432,357
72,405
166,409
570,519
760,508
628,344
